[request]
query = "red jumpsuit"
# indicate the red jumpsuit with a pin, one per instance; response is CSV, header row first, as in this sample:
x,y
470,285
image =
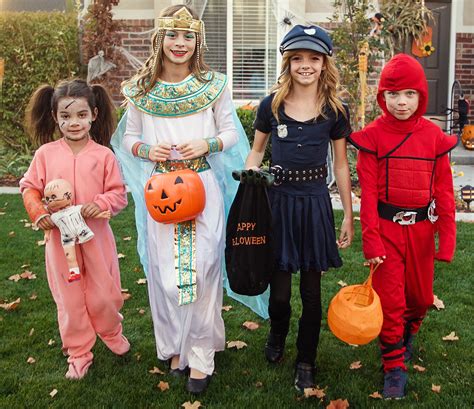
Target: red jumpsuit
x,y
404,163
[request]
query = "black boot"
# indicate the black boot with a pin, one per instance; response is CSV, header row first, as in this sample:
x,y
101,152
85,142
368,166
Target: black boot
x,y
304,376
274,347
198,386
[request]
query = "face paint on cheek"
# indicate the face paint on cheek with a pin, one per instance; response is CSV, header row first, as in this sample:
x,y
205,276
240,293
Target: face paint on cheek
x,y
62,124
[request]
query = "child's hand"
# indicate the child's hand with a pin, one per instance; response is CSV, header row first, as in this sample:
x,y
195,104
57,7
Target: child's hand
x,y
193,149
90,210
45,223
160,152
376,260
347,233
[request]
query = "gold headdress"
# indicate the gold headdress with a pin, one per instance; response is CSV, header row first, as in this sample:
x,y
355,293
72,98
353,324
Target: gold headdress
x,y
181,20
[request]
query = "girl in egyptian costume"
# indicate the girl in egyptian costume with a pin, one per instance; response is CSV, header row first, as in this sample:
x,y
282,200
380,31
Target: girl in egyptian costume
x,y
180,116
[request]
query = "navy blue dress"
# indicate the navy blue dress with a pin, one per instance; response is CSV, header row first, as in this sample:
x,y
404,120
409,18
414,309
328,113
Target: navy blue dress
x,y
303,219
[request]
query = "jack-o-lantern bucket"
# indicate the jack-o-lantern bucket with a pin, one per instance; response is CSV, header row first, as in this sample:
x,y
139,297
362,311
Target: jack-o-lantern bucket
x,y
355,313
467,137
175,197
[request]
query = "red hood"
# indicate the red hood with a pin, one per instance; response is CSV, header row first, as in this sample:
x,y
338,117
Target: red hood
x,y
403,72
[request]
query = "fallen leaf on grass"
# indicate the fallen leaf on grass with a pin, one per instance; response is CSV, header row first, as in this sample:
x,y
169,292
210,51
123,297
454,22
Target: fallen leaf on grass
x,y
31,360
11,234
342,283
439,304
27,225
128,238
120,255
53,393
11,306
28,275
33,296
163,386
318,393
451,337
338,404
375,395
156,370
137,269
126,296
41,242
250,325
141,311
189,405
356,218
355,365
236,344
2,213
258,384
436,388
51,342
227,307
141,281
137,356
24,266
419,368
15,278
32,331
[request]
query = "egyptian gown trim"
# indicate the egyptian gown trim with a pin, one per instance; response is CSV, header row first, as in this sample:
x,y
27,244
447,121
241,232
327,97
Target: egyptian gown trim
x,y
178,99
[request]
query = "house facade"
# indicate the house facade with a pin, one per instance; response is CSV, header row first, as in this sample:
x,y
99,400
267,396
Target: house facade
x,y
243,38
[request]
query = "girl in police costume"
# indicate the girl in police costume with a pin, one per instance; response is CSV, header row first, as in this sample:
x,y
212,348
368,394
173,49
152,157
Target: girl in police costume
x,y
180,115
301,116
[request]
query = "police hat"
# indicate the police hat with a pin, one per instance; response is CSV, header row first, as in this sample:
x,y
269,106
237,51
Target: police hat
x,y
308,38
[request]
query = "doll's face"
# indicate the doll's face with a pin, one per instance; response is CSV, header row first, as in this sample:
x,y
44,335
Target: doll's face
x,y
179,46
402,104
74,118
58,195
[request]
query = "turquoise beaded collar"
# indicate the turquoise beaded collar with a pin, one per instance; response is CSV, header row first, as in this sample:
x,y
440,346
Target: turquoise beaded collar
x,y
180,99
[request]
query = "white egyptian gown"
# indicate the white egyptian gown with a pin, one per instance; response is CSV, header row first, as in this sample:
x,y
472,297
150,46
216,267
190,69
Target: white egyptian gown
x,y
193,331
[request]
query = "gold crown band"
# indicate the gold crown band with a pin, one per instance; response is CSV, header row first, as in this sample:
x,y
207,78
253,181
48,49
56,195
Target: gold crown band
x,y
181,20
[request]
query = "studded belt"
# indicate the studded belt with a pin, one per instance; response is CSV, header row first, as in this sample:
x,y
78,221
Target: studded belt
x,y
401,215
198,165
298,175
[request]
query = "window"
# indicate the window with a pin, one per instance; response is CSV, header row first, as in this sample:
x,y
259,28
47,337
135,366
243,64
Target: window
x,y
248,52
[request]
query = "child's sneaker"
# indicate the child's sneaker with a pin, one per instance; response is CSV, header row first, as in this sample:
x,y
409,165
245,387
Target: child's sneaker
x,y
395,382
409,340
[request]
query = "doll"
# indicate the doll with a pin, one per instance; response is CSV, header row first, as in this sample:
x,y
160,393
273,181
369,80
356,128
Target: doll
x,y
58,195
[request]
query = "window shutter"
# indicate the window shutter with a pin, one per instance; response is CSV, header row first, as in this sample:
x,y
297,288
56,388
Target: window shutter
x,y
254,48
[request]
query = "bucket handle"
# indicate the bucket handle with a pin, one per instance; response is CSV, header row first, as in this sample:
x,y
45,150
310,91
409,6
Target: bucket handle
x,y
373,267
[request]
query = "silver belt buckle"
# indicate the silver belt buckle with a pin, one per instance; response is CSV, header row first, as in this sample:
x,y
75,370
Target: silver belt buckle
x,y
278,169
405,218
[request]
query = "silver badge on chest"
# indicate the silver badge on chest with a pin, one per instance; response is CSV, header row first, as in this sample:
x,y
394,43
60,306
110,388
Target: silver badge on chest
x,y
282,131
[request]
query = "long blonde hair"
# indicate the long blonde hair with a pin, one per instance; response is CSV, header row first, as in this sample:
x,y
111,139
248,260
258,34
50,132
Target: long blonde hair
x,y
148,75
326,91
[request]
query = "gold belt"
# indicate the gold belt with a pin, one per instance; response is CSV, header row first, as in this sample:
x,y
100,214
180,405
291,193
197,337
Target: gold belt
x,y
198,165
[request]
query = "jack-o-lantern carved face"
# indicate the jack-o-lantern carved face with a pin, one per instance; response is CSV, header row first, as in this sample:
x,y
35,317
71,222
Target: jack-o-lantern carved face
x,y
175,196
467,137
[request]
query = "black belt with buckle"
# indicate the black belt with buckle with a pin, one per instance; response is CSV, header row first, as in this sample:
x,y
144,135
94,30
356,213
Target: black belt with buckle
x,y
401,215
298,175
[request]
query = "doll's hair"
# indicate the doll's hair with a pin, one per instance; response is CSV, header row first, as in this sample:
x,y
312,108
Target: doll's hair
x,y
148,75
43,106
327,86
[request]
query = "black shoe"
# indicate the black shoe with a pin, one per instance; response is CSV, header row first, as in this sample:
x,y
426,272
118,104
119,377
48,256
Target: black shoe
x,y
409,347
274,348
197,386
176,372
304,376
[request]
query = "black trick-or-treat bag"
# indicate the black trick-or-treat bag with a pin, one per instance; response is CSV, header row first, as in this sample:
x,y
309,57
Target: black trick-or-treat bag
x,y
249,246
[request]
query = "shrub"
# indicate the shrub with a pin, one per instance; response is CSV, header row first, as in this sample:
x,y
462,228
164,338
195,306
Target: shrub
x,y
37,48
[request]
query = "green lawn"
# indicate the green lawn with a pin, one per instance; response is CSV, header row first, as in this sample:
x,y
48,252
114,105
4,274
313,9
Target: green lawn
x,y
243,379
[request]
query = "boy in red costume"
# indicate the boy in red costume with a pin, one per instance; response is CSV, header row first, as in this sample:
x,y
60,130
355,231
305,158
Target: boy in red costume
x,y
407,197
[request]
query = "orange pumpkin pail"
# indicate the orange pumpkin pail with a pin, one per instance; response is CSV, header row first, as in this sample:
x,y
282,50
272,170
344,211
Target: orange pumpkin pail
x,y
175,197
355,313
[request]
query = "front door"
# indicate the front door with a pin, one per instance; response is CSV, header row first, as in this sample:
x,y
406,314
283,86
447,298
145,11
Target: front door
x,y
437,64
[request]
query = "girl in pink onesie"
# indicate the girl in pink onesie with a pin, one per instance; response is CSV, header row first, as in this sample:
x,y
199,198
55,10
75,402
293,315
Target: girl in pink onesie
x,y
84,116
